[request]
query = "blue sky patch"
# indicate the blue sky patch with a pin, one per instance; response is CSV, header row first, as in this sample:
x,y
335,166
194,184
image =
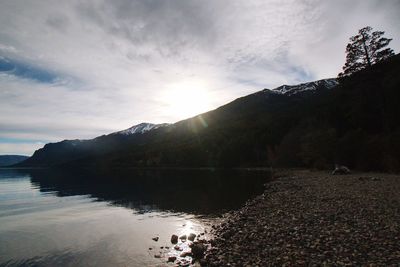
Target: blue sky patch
x,y
26,71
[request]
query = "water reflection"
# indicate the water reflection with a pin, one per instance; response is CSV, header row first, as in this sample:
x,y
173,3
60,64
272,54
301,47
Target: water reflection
x,y
81,218
189,191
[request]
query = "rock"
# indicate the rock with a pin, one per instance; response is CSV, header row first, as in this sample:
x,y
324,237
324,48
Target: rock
x,y
183,262
203,262
191,237
158,256
228,234
171,259
174,239
339,169
198,250
155,238
183,237
185,254
213,242
178,248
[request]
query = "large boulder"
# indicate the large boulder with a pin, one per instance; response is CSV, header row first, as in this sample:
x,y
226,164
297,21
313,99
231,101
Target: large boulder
x,y
340,170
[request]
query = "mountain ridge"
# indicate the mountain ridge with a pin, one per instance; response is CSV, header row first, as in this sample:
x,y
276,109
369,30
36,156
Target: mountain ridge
x,y
309,127
8,160
313,86
141,128
73,149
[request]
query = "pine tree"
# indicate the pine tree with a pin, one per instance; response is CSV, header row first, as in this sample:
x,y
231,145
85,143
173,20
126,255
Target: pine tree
x,y
365,49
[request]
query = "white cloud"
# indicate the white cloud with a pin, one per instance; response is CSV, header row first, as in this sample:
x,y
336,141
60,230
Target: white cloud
x,y
25,149
114,59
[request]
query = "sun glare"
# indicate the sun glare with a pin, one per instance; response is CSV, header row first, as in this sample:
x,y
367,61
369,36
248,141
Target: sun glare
x,y
186,99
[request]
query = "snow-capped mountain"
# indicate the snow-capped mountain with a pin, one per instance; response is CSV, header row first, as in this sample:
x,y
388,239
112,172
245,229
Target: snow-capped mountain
x,y
141,128
303,87
75,150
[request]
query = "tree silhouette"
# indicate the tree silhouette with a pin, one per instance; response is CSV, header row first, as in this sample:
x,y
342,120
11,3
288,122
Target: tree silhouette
x,y
365,49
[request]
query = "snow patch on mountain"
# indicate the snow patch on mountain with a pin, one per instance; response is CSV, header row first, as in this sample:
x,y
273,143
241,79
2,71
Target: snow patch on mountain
x,y
303,87
141,128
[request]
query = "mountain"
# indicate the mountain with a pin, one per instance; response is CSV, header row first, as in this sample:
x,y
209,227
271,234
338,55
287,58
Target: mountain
x,y
354,122
6,160
68,150
141,128
122,144
310,87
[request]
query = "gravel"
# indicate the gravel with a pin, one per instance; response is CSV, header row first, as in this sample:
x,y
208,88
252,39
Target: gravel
x,y
309,218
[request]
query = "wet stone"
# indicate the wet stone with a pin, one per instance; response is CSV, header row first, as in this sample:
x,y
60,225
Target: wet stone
x,y
174,239
191,237
171,259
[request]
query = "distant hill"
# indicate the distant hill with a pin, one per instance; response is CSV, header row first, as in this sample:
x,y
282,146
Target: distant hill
x,y
6,160
70,150
317,124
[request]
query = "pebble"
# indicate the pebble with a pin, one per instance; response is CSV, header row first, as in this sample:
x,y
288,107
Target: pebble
x,y
171,259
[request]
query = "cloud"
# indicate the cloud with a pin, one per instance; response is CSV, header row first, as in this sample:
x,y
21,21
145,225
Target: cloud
x,y
20,148
78,69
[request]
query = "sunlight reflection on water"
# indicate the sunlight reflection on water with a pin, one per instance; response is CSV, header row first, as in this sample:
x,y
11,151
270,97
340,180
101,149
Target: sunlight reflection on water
x,y
47,220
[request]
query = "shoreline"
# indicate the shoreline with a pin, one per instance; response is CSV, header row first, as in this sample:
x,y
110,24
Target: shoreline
x,y
264,169
312,218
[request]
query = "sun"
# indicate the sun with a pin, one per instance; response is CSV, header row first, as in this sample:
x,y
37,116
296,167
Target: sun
x,y
186,99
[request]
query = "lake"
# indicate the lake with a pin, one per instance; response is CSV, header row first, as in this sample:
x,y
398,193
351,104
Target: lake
x,y
81,218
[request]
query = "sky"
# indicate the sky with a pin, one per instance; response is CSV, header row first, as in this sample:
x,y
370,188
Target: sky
x,y
80,69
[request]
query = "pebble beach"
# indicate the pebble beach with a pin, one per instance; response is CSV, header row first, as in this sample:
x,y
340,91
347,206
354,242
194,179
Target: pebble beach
x,y
313,218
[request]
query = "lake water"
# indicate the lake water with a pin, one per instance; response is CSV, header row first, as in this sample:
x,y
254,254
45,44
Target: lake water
x,y
54,218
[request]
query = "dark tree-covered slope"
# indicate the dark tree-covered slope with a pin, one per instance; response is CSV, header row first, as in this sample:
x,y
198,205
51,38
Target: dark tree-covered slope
x,y
70,150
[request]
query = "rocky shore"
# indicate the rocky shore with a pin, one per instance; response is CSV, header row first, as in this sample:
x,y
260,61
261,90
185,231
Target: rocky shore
x,y
313,219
